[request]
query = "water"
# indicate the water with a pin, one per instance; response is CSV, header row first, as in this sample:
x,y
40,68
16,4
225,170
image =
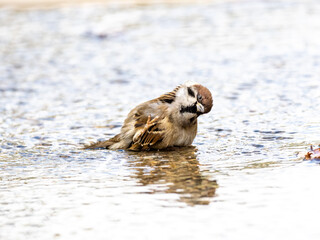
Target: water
x,y
69,76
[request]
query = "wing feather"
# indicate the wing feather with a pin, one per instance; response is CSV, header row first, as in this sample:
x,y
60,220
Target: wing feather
x,y
170,96
148,135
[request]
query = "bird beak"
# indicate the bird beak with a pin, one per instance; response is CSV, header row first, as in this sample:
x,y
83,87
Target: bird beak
x,y
200,108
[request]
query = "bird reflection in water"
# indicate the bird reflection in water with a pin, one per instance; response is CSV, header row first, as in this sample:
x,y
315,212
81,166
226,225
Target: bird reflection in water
x,y
178,170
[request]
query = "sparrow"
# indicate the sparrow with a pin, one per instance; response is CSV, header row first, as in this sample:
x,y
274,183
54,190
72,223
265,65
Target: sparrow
x,y
167,121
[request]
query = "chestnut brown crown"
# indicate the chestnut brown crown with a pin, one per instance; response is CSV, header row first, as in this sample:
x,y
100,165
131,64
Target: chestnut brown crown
x,y
204,97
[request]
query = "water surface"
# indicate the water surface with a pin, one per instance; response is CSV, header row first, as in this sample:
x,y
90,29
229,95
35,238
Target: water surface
x,y
69,76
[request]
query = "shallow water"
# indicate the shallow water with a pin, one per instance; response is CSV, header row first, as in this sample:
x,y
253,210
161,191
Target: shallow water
x,y
69,76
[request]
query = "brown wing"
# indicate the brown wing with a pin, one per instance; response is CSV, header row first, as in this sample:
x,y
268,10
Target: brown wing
x,y
170,96
147,135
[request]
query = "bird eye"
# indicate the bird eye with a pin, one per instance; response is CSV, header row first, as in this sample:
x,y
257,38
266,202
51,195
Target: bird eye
x,y
199,97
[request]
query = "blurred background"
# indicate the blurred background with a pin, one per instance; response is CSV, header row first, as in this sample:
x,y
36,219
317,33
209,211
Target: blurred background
x,y
59,3
70,71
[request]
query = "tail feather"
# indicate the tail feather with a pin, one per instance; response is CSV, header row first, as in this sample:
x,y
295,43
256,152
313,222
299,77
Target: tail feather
x,y
103,144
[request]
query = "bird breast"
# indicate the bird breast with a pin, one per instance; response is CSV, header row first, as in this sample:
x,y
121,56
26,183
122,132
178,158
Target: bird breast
x,y
184,136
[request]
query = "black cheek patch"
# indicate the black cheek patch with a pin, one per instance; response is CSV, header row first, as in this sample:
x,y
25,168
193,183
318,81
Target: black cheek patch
x,y
191,92
189,109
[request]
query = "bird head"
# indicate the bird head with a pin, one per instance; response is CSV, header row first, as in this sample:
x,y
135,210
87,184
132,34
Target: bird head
x,y
194,99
